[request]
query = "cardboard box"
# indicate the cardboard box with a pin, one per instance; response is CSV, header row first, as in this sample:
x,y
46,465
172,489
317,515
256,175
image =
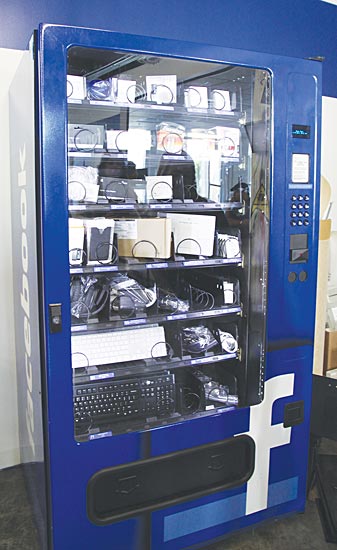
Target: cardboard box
x,y
330,350
324,230
144,237
332,374
322,292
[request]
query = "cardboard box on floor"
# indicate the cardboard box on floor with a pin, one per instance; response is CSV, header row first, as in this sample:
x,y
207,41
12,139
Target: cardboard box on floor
x,y
330,350
322,292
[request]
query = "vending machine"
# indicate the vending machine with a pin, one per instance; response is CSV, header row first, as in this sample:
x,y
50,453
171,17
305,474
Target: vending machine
x,y
165,229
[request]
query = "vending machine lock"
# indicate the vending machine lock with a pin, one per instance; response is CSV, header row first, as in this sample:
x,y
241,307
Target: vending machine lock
x,y
55,318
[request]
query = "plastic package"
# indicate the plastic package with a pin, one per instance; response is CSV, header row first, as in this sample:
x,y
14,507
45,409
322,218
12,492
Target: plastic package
x,y
82,184
100,90
88,297
170,303
198,339
126,292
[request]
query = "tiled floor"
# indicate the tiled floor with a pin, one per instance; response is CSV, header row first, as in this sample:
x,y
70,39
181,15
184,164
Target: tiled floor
x,y
298,532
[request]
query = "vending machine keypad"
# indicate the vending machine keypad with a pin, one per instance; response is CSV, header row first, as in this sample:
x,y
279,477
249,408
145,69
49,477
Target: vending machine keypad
x,y
300,210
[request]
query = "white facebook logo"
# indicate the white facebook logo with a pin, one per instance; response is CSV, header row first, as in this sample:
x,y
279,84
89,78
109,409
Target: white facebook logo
x,y
266,436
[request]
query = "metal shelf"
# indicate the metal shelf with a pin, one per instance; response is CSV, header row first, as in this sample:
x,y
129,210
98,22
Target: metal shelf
x,y
106,109
148,320
153,206
133,264
124,370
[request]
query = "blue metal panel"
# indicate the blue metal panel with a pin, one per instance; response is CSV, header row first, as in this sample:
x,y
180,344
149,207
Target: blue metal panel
x,y
292,304
199,431
212,517
288,371
222,511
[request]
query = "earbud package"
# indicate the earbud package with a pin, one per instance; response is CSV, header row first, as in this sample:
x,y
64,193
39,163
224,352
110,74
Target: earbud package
x,y
100,235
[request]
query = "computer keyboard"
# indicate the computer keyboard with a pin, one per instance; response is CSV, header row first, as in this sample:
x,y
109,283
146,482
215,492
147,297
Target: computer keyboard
x,y
112,400
102,348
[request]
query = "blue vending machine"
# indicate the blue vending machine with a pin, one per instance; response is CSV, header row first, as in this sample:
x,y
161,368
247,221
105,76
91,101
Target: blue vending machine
x,y
165,230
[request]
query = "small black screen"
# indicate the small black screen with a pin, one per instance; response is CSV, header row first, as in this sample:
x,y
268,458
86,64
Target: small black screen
x,y
300,131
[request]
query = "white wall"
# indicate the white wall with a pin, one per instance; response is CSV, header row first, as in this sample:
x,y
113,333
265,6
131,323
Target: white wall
x,y
329,171
9,442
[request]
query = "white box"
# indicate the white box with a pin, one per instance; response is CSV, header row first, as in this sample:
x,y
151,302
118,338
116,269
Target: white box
x,y
117,140
161,88
76,87
193,234
144,237
221,100
159,187
196,97
228,141
126,91
85,137
76,241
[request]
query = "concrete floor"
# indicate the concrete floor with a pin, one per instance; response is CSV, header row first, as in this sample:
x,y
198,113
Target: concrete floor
x,y
17,529
298,532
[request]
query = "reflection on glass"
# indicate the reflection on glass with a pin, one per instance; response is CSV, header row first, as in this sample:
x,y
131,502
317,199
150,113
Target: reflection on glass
x,y
168,188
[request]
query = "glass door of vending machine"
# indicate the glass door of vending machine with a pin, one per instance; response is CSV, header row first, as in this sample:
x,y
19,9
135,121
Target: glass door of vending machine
x,y
168,185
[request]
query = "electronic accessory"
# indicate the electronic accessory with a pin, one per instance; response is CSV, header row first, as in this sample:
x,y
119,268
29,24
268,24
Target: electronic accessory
x,y
219,393
128,295
173,143
229,294
82,184
117,140
126,90
176,162
88,296
137,91
161,88
193,234
228,245
117,190
196,97
100,90
85,137
192,399
224,290
228,343
170,137
201,299
221,100
144,237
76,88
100,241
76,241
160,93
110,400
212,390
168,302
227,140
76,191
102,348
197,339
159,188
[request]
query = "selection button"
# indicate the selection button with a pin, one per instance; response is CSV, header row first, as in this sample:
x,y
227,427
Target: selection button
x,y
292,277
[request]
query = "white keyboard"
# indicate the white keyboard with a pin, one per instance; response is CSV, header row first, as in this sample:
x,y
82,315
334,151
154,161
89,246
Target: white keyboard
x,y
101,348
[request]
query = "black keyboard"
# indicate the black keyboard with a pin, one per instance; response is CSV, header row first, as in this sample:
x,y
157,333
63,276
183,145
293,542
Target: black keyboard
x,y
116,400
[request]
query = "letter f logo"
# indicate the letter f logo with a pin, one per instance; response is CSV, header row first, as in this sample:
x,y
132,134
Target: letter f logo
x,y
266,436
